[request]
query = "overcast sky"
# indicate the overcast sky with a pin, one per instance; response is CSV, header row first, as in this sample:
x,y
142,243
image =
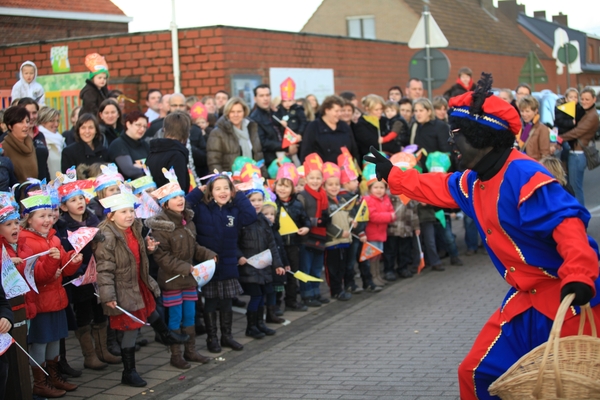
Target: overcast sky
x,y
285,15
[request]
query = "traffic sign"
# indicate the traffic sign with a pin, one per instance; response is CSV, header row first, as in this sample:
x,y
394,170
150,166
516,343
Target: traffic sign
x,y
533,71
569,49
440,67
419,39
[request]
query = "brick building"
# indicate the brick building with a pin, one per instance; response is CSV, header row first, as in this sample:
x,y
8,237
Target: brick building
x,y
31,21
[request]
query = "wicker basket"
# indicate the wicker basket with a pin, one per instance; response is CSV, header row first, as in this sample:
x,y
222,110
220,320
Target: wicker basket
x,y
561,368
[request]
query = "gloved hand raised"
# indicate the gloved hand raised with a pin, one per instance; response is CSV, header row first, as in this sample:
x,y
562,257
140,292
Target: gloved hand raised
x,y
383,166
583,293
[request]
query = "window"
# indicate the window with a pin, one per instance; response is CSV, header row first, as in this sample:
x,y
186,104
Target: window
x,y
362,27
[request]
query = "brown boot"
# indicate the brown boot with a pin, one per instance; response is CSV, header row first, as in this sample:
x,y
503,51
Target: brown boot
x,y
90,360
271,317
99,335
375,273
56,378
42,386
190,353
176,359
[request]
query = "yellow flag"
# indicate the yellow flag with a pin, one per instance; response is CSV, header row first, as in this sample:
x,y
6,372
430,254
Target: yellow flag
x,y
568,108
372,120
286,224
350,205
362,215
305,277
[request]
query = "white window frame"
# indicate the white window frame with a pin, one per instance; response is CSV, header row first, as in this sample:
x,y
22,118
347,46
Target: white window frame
x,y
361,18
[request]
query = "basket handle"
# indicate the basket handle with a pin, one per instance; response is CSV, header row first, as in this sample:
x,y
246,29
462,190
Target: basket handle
x,y
587,311
553,343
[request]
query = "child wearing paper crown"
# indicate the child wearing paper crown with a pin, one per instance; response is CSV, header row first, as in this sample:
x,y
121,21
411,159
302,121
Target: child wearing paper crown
x,y
314,200
176,255
381,214
50,323
95,91
254,239
219,213
123,280
105,185
287,201
90,320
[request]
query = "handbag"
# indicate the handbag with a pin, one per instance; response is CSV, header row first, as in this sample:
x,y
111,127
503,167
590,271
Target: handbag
x,y
592,157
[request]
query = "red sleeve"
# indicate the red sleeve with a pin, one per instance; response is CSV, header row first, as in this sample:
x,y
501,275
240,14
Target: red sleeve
x,y
65,257
580,261
429,188
43,271
389,137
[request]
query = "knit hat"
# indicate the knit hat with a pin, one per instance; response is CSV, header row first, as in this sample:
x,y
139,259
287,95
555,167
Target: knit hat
x,y
311,163
288,171
96,64
331,170
438,162
275,164
198,110
8,207
110,176
125,199
170,190
288,89
143,183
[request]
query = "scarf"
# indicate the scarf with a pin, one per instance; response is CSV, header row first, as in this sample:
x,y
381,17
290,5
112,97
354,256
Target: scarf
x,y
467,88
322,205
55,143
22,155
244,139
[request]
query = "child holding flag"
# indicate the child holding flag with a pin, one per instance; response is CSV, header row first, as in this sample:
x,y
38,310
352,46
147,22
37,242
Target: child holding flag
x,y
50,324
177,250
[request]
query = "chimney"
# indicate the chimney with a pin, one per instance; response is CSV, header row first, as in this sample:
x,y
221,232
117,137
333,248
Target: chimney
x,y
488,5
561,19
510,8
539,15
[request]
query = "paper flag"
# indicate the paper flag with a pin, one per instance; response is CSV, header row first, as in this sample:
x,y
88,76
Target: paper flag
x,y
261,260
422,261
405,200
148,206
441,217
13,283
89,276
368,251
28,272
204,272
362,215
350,204
568,108
286,223
81,237
43,253
372,120
5,342
289,138
301,276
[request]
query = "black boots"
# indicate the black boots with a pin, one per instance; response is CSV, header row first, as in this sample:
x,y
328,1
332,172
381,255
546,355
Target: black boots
x,y
226,319
260,322
167,336
272,315
200,329
251,328
212,341
130,376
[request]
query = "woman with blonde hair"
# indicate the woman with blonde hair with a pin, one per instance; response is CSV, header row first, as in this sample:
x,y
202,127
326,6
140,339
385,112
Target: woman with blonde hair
x,y
48,121
367,130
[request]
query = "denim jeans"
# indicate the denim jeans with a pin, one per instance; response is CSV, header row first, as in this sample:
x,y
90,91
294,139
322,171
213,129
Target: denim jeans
x,y
429,247
311,263
471,234
577,165
449,238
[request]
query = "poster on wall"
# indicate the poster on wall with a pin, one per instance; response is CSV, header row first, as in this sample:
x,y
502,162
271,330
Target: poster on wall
x,y
59,57
315,81
242,85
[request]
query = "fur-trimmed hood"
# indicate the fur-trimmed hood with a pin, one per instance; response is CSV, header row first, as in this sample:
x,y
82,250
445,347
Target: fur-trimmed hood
x,y
168,220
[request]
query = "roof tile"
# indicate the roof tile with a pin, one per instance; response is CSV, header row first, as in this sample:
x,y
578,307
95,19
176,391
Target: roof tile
x,y
89,6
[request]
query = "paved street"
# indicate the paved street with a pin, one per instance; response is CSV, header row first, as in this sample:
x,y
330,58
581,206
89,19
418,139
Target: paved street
x,y
403,343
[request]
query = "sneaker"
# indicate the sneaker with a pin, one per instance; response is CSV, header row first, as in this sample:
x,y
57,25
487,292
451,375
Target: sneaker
x,y
297,306
456,261
390,276
312,302
343,296
405,273
354,289
322,299
373,288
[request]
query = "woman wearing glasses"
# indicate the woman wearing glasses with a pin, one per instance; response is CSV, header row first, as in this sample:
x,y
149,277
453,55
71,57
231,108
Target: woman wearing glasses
x,y
129,151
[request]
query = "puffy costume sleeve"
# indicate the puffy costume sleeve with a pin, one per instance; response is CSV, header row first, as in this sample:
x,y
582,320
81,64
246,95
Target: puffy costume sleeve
x,y
432,188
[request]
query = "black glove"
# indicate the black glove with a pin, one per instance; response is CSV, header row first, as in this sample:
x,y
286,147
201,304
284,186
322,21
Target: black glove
x,y
583,293
383,166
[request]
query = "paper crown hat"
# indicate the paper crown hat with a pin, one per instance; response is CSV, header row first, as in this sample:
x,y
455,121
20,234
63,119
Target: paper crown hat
x,y
8,207
40,200
288,89
198,110
438,162
143,183
300,170
96,64
312,162
239,162
253,186
369,174
170,190
248,171
331,170
275,164
288,171
495,112
347,166
70,187
403,160
110,176
125,199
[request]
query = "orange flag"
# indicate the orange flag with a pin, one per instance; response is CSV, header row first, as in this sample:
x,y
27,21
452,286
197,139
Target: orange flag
x,y
290,138
368,251
422,261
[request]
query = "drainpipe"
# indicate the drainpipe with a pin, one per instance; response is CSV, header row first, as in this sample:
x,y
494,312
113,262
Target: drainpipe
x,y
175,50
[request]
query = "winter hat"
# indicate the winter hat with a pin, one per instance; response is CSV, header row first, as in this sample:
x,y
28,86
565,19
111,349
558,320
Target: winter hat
x,y
198,110
331,170
110,176
288,171
170,190
96,64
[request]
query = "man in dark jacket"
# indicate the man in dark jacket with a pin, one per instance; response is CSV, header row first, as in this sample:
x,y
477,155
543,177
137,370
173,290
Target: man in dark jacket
x,y
269,134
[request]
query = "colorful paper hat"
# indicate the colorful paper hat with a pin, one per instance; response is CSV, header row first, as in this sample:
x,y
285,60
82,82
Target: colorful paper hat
x,y
8,208
198,110
143,183
369,174
239,163
248,171
347,167
300,171
37,202
288,171
270,203
496,113
288,89
110,176
125,199
311,163
275,164
253,186
170,190
331,170
70,187
438,162
404,160
96,64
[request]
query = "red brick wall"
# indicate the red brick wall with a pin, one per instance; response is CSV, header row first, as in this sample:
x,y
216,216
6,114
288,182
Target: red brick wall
x,y
25,29
209,56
